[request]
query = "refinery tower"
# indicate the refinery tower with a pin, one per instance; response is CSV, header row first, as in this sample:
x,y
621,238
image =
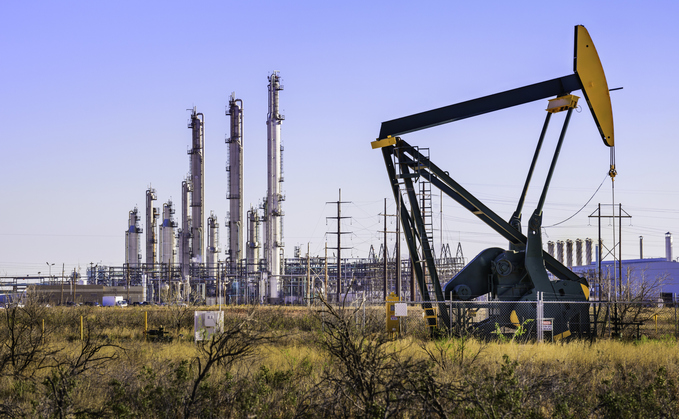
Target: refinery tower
x,y
234,192
273,243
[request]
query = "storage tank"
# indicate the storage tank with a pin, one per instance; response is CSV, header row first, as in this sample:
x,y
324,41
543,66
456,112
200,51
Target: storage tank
x,y
559,251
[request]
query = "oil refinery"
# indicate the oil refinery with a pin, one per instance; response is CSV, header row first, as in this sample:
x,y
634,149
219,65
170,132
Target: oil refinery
x,y
183,259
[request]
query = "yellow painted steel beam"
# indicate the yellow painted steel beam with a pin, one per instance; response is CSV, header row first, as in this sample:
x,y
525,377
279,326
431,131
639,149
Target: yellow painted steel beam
x,y
562,103
383,142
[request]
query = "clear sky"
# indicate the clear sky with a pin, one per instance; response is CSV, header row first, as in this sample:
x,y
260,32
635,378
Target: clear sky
x,y
94,99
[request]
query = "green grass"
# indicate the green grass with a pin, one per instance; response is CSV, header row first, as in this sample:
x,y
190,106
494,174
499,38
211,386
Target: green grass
x,y
291,372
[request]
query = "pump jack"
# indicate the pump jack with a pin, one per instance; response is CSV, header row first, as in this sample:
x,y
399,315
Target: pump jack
x,y
519,273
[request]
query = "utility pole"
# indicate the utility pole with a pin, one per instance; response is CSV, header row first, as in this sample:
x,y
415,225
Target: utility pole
x,y
308,273
339,247
398,248
326,273
617,282
617,276
385,249
61,301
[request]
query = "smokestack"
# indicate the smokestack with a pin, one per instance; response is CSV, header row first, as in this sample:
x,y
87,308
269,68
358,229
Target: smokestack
x,y
550,248
641,247
578,252
559,251
588,251
668,246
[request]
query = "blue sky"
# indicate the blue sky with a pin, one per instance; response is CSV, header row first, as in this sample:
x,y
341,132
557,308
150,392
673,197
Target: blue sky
x,y
94,100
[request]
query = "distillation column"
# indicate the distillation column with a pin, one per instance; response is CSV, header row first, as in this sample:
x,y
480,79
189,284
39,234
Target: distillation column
x,y
167,238
133,240
212,251
274,223
234,192
252,251
185,233
152,215
197,153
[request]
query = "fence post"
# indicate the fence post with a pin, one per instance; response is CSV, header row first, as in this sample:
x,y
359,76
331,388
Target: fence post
x,y
540,316
81,328
450,316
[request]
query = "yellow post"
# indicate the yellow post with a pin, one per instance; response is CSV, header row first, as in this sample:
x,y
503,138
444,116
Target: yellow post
x,y
655,317
81,328
43,330
146,321
392,320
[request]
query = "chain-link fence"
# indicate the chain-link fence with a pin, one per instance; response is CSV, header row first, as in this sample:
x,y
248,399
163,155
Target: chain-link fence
x,y
541,320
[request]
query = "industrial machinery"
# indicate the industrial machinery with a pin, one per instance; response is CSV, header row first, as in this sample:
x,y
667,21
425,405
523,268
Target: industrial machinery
x,y
518,274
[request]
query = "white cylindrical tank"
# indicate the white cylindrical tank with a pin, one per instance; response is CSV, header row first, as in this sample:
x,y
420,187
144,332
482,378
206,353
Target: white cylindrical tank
x,y
273,242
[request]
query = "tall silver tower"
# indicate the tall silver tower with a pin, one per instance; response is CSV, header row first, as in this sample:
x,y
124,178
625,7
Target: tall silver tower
x,y
234,192
152,215
197,153
273,243
133,240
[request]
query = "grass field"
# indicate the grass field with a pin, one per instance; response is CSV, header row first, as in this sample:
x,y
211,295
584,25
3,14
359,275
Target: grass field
x,y
300,362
